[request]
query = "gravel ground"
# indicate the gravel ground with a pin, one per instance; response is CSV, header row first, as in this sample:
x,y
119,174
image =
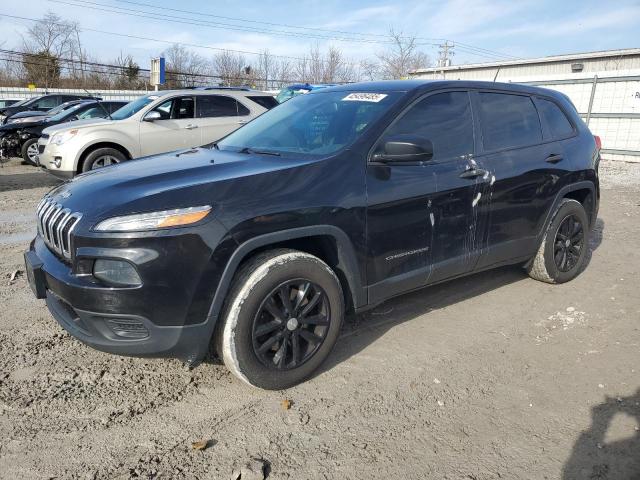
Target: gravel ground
x,y
492,376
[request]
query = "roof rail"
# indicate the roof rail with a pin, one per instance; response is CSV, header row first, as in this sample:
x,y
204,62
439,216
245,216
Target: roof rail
x,y
242,89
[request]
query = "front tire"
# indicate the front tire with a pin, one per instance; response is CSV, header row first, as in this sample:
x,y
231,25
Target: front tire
x,y
102,157
561,255
29,151
281,320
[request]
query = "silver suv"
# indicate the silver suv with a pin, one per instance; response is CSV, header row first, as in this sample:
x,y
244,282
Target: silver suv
x,y
155,123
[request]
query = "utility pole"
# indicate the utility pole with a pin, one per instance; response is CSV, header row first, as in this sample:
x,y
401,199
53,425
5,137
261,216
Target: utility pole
x,y
445,52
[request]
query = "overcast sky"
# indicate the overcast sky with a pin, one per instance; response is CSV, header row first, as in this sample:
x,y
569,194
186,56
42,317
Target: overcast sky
x,y
514,28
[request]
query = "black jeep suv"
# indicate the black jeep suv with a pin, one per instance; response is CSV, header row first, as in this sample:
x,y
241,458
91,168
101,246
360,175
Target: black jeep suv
x,y
331,202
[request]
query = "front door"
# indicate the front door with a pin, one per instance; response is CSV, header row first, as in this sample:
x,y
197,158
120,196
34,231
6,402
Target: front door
x,y
174,130
420,217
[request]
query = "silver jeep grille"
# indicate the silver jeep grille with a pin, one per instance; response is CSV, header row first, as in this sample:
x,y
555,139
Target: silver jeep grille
x,y
55,224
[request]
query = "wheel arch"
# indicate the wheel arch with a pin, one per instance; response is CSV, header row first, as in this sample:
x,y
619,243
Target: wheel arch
x,y
318,240
103,144
327,242
584,191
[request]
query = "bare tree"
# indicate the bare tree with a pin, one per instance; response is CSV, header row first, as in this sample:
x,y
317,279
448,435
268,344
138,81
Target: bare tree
x,y
127,73
47,45
232,68
266,70
369,70
185,68
331,67
401,57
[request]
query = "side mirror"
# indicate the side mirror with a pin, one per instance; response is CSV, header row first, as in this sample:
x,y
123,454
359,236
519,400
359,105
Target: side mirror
x,y
405,149
152,116
73,118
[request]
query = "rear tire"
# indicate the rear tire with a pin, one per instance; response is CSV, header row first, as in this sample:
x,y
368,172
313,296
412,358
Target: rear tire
x,y
281,320
29,151
561,255
102,157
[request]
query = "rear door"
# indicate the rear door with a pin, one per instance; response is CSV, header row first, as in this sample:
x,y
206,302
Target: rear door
x,y
174,130
219,115
523,165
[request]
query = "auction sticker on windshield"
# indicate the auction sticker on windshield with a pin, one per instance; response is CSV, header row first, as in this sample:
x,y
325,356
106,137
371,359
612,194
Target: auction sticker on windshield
x,y
364,97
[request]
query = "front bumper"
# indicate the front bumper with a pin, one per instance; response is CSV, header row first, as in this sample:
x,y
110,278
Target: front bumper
x,y
50,155
123,321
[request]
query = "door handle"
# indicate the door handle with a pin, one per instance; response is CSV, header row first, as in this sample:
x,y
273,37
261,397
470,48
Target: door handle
x,y
473,173
191,126
242,122
553,158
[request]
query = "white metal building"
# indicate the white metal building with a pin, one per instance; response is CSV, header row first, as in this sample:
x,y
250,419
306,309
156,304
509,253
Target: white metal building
x,y
604,86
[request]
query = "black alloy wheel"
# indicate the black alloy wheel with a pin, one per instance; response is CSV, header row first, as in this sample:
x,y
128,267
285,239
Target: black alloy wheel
x,y
291,324
569,243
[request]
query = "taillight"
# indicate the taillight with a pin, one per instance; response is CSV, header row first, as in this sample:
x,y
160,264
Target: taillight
x,y
598,142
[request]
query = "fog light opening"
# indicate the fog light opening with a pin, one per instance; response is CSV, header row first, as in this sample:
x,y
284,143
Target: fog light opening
x,y
116,272
128,328
57,161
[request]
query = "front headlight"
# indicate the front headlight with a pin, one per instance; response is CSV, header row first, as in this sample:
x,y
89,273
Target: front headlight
x,y
60,138
154,220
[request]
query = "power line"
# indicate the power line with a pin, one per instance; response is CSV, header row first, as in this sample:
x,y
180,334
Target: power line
x,y
32,59
169,42
471,48
204,23
243,28
265,23
446,49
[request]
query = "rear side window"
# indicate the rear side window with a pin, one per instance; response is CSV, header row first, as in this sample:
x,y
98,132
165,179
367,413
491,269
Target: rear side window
x,y
508,121
443,118
556,120
113,106
93,112
219,106
264,101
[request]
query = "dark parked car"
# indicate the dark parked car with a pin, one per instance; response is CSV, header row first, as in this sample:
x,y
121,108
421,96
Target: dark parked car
x,y
20,138
42,104
333,201
35,115
7,102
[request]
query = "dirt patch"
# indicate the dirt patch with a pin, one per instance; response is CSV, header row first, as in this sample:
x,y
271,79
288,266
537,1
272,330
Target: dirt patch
x,y
491,376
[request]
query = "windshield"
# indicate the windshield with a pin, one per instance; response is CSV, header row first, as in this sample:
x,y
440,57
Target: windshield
x,y
63,112
288,93
133,107
60,108
317,124
21,102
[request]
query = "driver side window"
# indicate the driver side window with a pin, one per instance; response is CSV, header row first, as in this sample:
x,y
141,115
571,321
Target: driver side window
x,y
176,108
444,119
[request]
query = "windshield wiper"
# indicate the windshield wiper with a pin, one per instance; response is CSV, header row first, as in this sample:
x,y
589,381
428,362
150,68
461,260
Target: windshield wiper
x,y
259,152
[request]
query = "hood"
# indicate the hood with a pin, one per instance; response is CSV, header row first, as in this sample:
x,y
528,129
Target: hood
x,y
29,113
89,122
8,127
177,179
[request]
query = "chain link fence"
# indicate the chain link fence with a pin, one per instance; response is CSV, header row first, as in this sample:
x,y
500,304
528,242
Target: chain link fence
x,y
610,106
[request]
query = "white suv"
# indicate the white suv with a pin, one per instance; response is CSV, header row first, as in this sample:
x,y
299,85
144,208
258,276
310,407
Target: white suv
x,y
155,123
